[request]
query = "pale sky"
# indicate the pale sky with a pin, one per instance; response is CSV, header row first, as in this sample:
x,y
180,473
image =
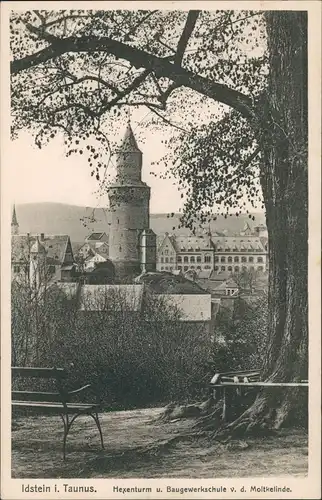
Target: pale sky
x,y
38,175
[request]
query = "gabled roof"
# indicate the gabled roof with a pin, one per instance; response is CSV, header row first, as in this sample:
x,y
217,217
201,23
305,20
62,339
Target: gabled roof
x,y
162,239
95,236
227,284
55,247
205,275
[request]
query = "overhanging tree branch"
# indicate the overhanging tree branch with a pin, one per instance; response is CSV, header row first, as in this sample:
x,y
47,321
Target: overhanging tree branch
x,y
185,35
161,67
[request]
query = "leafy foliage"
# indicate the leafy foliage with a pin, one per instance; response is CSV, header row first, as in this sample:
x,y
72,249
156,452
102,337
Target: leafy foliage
x,y
241,336
132,359
74,71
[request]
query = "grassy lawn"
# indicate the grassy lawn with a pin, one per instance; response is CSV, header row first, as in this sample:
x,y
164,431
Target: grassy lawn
x,y
128,437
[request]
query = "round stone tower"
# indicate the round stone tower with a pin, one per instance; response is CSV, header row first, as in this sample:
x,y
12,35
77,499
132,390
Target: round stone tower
x,y
129,206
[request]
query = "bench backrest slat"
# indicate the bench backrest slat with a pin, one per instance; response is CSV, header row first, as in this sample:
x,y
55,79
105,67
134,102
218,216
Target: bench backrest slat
x,y
36,396
45,373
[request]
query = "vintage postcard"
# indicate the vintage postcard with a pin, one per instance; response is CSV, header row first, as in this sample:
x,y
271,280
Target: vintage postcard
x,y
160,250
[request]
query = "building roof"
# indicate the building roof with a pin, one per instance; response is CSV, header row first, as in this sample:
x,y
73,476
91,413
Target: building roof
x,y
227,284
37,247
204,274
168,283
191,307
54,245
117,297
95,236
238,243
186,243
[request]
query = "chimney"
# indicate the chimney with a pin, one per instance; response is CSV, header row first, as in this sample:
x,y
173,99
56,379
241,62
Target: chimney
x,y
42,236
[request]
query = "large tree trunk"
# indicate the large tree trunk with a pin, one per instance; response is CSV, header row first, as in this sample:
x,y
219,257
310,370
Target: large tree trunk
x,y
284,177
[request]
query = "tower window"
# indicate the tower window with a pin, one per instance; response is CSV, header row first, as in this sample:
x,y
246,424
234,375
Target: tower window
x,y
207,258
223,259
192,259
120,249
161,259
167,259
179,258
198,258
185,259
259,259
236,259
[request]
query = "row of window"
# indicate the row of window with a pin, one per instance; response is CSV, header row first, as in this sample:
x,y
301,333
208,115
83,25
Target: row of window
x,y
236,269
186,259
219,249
193,259
236,259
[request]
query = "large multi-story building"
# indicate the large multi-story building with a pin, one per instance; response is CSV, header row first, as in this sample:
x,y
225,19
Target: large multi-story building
x,y
228,254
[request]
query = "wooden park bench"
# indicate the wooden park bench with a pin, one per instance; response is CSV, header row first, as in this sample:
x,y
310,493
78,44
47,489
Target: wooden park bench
x,y
242,381
59,402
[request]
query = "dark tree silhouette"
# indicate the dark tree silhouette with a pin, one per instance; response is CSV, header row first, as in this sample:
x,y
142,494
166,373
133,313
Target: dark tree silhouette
x,y
71,68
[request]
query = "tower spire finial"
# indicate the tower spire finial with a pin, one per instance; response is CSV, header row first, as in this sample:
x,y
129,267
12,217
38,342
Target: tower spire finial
x,y
129,115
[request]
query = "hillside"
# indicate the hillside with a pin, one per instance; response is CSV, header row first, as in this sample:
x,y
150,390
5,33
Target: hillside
x,y
77,221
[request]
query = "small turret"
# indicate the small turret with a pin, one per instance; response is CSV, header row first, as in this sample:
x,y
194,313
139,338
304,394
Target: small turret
x,y
148,249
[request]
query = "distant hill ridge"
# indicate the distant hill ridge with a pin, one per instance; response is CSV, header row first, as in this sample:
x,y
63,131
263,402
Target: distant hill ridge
x,y
78,221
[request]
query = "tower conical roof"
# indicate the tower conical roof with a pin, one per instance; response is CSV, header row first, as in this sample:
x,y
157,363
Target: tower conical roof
x,y
14,221
129,143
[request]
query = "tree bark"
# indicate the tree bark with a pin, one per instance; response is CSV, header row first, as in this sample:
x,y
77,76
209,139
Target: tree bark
x,y
283,138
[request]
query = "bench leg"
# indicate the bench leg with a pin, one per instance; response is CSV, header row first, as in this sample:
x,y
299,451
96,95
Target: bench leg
x,y
66,430
224,407
67,426
96,420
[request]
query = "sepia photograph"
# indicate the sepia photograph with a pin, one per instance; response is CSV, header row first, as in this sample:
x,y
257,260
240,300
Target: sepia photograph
x,y
160,236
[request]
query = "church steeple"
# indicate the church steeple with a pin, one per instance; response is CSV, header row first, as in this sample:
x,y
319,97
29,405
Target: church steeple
x,y
14,222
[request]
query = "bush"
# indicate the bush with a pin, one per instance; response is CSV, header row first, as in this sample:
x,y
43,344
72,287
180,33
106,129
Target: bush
x,y
132,359
241,336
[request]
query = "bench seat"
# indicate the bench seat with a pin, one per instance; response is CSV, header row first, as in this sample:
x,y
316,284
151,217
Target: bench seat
x,y
49,405
59,402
